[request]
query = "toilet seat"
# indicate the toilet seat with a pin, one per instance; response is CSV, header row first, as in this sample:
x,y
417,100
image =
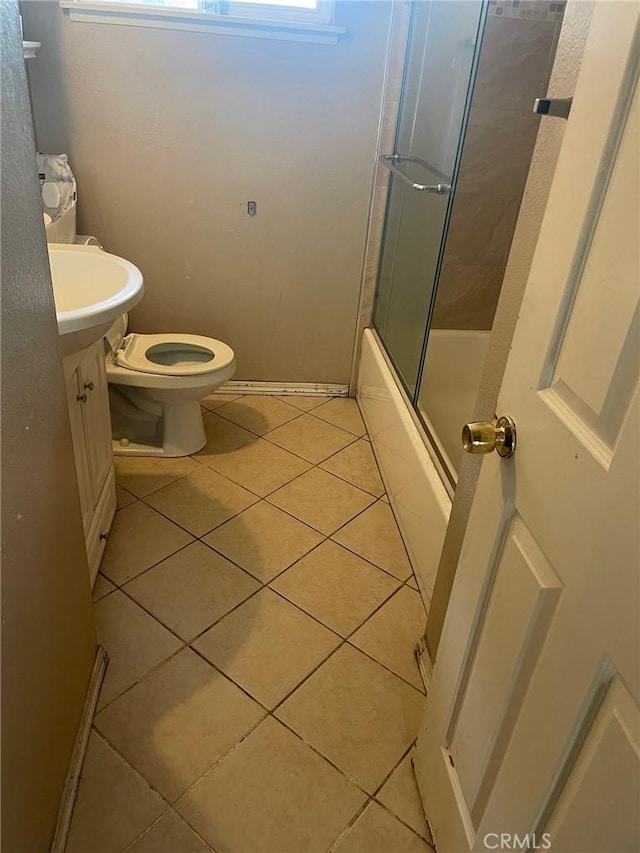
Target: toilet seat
x,y
174,355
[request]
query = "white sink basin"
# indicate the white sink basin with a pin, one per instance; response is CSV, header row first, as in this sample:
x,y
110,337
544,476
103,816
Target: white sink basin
x,y
91,289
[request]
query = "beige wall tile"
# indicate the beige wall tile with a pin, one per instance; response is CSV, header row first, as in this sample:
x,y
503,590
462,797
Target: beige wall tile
x,y
336,587
175,724
467,296
113,804
362,717
191,590
272,793
267,646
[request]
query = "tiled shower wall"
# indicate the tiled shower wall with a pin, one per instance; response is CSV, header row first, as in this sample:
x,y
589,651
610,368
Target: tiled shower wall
x,y
514,68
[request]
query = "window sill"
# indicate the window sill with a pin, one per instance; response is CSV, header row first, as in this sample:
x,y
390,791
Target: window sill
x,y
176,19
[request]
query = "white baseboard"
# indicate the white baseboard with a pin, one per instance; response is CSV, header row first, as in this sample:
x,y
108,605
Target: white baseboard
x,y
72,781
315,389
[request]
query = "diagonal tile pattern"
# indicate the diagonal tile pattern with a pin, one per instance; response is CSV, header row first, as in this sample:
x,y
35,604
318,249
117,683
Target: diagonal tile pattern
x,y
311,438
321,500
262,692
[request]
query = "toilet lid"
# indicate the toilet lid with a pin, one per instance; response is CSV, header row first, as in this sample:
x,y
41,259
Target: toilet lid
x,y
174,355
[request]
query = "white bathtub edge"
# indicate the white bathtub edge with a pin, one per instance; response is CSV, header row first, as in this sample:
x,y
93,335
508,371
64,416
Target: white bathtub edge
x,y
418,497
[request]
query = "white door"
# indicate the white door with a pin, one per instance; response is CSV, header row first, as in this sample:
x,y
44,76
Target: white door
x,y
532,719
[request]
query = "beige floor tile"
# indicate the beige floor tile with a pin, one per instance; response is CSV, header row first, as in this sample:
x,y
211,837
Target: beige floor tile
x,y
400,794
377,831
305,402
343,412
259,414
311,438
175,724
321,500
101,587
385,498
222,437
375,536
356,464
192,589
263,540
201,501
260,466
362,717
140,538
169,835
123,497
337,587
214,401
135,643
142,475
413,583
272,794
113,805
267,646
391,635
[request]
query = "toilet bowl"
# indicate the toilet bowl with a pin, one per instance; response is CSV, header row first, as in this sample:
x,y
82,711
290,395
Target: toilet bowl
x,y
156,383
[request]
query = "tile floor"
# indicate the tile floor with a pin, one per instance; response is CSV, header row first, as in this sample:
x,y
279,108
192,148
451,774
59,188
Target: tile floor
x,y
260,615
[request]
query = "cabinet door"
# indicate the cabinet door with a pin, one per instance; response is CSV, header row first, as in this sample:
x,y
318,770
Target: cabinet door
x,y
76,406
97,421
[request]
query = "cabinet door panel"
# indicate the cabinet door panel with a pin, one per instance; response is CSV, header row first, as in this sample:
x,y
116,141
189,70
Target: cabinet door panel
x,y
97,420
73,385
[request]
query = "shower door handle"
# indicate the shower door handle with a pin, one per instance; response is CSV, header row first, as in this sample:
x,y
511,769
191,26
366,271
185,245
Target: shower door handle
x,y
390,161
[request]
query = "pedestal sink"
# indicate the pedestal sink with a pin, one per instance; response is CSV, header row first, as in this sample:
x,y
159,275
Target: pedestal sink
x,y
91,289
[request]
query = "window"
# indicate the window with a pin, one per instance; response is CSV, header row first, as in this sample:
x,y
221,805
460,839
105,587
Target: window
x,y
299,20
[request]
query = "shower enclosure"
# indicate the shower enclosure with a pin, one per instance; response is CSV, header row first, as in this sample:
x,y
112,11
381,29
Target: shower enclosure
x,y
464,139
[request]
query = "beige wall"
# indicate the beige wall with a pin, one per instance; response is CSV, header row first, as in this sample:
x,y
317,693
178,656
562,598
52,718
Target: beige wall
x,y
171,133
514,67
48,639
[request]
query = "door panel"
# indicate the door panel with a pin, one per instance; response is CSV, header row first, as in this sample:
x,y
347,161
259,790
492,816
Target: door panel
x,y
533,716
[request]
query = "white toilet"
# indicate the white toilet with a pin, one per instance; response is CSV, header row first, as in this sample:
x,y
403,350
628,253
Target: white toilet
x,y
156,383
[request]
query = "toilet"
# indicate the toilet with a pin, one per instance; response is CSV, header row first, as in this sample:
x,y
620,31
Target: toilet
x,y
156,383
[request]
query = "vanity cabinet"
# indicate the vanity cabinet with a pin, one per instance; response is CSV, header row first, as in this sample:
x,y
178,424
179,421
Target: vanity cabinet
x,y
88,400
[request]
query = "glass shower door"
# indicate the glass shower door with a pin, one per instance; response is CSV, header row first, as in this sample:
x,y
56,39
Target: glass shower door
x,y
438,73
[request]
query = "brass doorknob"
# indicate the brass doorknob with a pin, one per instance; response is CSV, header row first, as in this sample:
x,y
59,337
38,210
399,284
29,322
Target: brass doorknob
x,y
483,437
